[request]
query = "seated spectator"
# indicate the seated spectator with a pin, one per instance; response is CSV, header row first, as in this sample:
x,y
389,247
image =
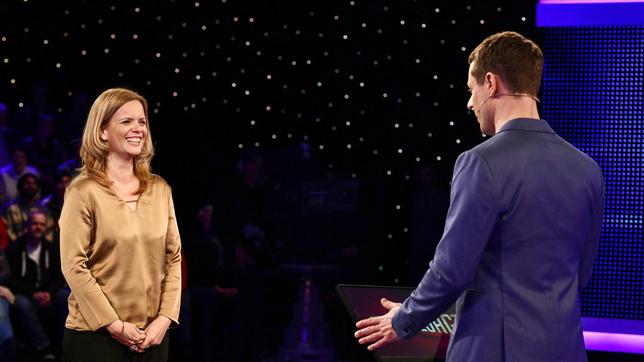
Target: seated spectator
x,y
4,238
7,342
16,213
35,280
53,202
72,164
10,174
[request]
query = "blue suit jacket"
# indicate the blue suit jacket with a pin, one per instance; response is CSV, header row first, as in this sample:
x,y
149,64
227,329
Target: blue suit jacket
x,y
519,242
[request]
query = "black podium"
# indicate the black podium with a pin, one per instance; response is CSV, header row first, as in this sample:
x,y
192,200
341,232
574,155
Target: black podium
x,y
363,301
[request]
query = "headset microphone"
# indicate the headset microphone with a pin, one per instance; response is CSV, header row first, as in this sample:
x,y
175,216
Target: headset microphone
x,y
478,108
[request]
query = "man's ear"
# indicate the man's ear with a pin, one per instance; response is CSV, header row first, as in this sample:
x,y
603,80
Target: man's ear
x,y
491,81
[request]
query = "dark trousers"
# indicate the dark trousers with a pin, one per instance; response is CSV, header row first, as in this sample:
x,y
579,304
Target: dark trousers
x,y
81,346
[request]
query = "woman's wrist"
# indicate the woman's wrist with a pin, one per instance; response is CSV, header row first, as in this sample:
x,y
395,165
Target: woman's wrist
x,y
116,328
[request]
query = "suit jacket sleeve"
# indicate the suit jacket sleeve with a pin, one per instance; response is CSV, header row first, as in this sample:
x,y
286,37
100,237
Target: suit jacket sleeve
x,y
592,243
470,220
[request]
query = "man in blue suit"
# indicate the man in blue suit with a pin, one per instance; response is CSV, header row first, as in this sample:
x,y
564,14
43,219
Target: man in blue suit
x,y
522,229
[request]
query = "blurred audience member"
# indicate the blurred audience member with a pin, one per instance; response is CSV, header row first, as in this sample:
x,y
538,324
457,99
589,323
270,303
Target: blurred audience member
x,y
53,202
7,298
16,214
10,174
73,163
35,280
4,238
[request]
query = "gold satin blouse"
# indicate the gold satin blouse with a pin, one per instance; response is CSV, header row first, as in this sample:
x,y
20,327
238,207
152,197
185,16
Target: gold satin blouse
x,y
120,263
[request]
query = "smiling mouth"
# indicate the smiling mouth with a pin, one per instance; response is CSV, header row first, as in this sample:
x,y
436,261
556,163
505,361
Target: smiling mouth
x,y
134,140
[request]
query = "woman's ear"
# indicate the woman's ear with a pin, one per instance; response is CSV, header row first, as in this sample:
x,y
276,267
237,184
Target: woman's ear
x,y
103,135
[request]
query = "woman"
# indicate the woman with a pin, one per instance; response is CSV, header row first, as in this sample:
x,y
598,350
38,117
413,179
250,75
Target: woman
x,y
120,246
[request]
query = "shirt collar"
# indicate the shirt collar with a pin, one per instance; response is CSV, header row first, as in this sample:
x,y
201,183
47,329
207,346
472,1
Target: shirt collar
x,y
527,124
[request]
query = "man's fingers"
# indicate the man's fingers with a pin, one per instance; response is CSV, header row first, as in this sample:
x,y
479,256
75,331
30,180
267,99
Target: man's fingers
x,y
370,338
366,331
387,303
368,322
378,344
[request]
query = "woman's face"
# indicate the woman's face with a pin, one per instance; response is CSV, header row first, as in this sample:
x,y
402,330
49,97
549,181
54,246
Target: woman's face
x,y
126,131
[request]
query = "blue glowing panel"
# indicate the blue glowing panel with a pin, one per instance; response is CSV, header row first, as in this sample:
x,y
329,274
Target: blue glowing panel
x,y
589,13
593,95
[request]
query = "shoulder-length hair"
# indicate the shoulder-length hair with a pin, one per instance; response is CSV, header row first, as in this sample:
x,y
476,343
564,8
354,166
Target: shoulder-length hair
x,y
94,150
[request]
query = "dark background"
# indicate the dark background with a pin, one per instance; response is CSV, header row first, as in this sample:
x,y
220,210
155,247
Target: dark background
x,y
346,100
391,96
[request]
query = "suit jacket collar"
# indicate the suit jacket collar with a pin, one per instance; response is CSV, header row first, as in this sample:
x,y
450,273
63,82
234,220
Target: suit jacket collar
x,y
527,124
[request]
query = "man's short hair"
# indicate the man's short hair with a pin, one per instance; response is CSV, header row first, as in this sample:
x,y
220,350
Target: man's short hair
x,y
35,211
517,60
23,179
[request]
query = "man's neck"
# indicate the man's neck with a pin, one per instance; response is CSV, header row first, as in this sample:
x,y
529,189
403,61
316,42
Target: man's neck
x,y
32,242
18,170
513,108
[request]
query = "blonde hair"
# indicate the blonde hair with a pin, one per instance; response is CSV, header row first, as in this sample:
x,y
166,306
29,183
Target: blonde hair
x,y
94,150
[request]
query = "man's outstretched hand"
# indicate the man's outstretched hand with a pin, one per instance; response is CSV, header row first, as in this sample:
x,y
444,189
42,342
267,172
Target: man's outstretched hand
x,y
378,331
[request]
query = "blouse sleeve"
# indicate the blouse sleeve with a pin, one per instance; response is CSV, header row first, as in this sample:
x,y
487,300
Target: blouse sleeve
x,y
171,288
75,235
